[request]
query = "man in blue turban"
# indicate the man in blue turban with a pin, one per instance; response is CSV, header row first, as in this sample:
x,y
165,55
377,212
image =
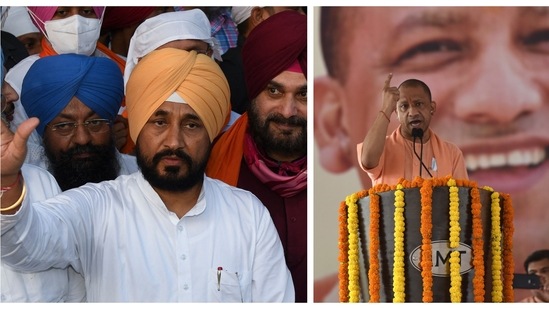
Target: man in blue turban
x,y
77,98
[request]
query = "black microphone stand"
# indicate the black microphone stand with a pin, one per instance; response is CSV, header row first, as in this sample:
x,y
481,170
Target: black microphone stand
x,y
419,133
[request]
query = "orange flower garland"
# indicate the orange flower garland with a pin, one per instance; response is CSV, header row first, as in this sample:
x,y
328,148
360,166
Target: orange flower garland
x,y
508,263
478,246
426,261
373,272
343,245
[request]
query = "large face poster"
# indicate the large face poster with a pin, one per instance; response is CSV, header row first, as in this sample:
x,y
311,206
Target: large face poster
x,y
487,71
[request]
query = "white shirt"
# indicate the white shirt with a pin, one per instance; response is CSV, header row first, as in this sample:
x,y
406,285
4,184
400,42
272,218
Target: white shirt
x,y
130,248
52,285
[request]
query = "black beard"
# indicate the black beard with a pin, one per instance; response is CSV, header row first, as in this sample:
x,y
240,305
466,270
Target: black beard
x,y
171,181
71,172
294,145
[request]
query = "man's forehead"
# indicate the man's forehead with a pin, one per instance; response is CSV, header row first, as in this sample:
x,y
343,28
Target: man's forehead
x,y
171,107
416,90
289,78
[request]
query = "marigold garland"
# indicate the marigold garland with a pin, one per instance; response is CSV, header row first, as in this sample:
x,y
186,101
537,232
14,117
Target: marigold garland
x,y
352,226
508,262
373,273
398,259
426,261
455,229
349,255
497,285
478,246
343,245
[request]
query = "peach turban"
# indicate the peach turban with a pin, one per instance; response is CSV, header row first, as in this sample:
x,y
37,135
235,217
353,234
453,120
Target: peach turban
x,y
195,77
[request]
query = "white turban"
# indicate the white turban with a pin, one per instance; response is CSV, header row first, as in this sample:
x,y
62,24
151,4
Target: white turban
x,y
241,13
18,21
163,28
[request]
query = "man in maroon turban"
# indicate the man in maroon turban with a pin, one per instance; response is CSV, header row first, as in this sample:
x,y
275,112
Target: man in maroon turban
x,y
265,150
120,22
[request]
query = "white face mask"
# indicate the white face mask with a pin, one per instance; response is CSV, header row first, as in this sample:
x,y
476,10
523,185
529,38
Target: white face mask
x,y
75,34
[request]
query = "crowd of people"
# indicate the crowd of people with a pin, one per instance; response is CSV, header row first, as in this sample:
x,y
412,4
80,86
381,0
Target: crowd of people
x,y
128,174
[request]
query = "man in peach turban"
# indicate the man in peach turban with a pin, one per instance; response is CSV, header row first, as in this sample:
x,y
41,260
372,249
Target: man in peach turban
x,y
166,233
265,150
182,77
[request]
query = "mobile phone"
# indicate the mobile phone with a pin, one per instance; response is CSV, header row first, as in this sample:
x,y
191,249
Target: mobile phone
x,y
526,282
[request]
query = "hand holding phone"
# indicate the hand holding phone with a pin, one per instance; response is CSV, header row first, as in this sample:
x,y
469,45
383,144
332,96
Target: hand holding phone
x,y
526,282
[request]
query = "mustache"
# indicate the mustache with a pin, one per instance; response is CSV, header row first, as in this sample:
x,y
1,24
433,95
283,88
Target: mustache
x,y
172,152
78,149
293,120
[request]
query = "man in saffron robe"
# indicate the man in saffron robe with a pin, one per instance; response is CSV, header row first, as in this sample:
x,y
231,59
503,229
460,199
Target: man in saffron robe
x,y
265,150
388,158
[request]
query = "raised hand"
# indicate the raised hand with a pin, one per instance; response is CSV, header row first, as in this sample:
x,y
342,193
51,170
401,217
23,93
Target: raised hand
x,y
390,96
13,146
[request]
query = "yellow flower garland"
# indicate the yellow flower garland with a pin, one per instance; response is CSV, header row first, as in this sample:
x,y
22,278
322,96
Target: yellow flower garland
x,y
455,229
495,209
398,264
352,226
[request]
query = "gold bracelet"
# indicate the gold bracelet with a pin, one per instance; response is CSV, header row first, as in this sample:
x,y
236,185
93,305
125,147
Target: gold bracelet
x,y
19,201
388,119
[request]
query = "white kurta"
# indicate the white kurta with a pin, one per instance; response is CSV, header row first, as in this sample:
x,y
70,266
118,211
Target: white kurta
x,y
54,284
129,247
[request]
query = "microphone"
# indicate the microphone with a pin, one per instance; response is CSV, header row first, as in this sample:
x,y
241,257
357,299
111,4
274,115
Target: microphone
x,y
418,133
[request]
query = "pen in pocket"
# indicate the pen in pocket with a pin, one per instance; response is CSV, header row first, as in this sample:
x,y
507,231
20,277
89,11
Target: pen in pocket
x,y
219,269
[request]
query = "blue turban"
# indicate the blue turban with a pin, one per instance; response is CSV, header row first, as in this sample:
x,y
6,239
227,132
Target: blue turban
x,y
53,81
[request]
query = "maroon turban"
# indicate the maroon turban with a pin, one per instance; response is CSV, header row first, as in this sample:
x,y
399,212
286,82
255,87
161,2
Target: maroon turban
x,y
272,47
118,17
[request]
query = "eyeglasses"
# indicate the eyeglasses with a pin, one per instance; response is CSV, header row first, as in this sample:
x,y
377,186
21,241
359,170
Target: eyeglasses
x,y
69,127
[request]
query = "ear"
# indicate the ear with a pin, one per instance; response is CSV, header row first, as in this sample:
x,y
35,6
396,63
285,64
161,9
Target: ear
x,y
330,134
433,107
256,17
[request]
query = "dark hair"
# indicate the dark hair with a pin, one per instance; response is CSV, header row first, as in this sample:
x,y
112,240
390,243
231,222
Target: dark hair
x,y
536,256
243,26
14,51
416,83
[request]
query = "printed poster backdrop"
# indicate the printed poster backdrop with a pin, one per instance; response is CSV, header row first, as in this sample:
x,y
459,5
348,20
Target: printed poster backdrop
x,y
487,70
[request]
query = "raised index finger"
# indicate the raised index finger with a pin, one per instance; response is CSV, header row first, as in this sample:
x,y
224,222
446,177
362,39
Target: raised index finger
x,y
388,81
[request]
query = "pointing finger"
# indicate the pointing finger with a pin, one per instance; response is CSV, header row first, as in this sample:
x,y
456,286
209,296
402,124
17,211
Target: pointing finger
x,y
388,81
